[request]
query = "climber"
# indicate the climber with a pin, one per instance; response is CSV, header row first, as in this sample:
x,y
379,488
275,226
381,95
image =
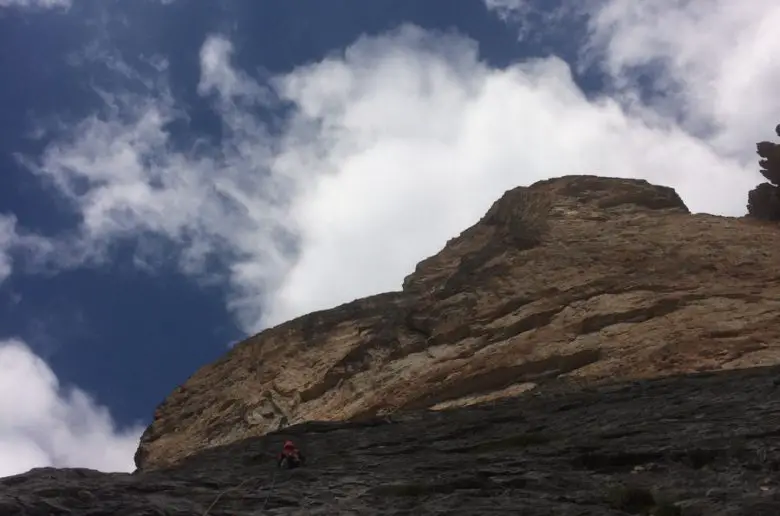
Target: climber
x,y
291,457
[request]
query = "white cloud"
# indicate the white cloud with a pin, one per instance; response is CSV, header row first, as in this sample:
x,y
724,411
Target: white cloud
x,y
422,138
401,143
44,424
7,240
712,61
705,62
119,169
46,4
220,77
509,9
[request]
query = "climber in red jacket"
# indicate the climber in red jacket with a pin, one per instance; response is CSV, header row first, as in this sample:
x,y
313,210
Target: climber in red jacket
x,y
291,457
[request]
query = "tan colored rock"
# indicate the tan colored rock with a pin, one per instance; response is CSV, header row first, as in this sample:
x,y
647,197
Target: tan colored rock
x,y
579,277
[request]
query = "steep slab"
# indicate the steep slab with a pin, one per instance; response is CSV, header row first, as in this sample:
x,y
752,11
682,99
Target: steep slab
x,y
699,445
581,278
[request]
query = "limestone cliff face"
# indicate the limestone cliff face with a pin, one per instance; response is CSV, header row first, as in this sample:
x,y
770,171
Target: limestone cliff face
x,y
580,278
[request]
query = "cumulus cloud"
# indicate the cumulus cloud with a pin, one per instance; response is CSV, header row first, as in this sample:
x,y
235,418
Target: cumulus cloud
x,y
707,61
423,137
46,424
703,63
386,151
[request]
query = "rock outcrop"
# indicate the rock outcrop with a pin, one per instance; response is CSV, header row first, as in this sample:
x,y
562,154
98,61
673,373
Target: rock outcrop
x,y
579,278
764,200
697,445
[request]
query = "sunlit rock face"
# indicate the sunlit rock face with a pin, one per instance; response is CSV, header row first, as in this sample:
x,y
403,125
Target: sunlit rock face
x,y
579,279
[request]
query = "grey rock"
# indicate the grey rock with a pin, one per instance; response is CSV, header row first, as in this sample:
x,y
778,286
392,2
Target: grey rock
x,y
703,444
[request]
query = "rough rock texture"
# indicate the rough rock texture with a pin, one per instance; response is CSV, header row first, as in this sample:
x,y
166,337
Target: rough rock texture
x,y
764,200
701,445
581,277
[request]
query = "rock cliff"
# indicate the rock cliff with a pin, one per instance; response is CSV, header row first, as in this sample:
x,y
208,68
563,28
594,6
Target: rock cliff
x,y
579,279
694,445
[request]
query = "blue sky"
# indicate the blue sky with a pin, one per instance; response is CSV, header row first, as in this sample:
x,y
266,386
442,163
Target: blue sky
x,y
176,175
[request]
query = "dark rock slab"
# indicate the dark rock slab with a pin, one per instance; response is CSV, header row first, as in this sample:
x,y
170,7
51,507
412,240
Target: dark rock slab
x,y
706,444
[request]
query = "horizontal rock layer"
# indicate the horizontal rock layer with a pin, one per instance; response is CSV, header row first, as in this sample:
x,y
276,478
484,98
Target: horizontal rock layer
x,y
581,277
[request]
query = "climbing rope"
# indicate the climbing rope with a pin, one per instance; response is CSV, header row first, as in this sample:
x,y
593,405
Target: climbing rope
x,y
220,496
270,491
268,496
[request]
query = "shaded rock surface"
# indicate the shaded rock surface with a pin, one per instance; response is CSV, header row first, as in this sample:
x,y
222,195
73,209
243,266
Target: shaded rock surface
x,y
764,199
702,444
581,278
